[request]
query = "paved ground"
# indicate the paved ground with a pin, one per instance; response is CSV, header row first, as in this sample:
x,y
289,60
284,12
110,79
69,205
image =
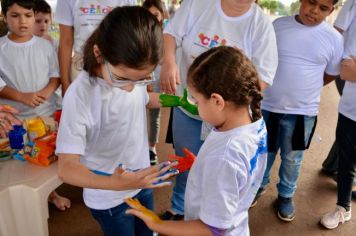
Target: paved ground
x,y
315,196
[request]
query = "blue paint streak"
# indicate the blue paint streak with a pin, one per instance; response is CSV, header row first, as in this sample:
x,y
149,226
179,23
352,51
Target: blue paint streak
x,y
262,148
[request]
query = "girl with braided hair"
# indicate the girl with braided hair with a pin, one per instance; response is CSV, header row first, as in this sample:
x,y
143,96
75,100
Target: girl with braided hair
x,y
225,177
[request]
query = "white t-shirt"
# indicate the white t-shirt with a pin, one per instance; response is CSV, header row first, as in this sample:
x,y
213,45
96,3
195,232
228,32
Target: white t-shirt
x,y
225,177
347,105
106,126
85,16
198,26
346,17
304,54
28,67
2,84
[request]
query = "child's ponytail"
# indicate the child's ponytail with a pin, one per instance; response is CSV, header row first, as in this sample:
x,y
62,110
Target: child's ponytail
x,y
255,105
226,71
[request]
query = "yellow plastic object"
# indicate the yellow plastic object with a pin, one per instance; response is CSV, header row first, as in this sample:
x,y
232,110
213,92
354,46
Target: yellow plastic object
x,y
136,204
36,128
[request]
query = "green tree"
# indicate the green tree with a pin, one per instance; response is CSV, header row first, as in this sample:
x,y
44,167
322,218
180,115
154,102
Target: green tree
x,y
294,7
275,7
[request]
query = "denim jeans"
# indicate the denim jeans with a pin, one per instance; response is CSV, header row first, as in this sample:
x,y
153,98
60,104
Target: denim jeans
x,y
115,222
186,133
346,141
290,160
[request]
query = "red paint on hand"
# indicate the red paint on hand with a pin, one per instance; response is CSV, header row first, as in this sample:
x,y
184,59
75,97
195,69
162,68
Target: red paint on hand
x,y
184,163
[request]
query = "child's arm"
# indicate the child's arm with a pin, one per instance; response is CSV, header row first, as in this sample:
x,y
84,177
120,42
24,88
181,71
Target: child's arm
x,y
166,100
348,69
329,78
71,171
185,228
66,42
154,101
51,87
30,99
169,77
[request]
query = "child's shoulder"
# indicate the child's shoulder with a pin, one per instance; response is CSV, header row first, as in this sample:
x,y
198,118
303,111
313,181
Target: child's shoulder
x,y
34,43
258,13
3,39
284,20
329,33
83,87
43,42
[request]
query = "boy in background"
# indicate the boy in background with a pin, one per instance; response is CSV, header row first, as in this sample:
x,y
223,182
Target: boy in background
x,y
43,21
309,55
29,69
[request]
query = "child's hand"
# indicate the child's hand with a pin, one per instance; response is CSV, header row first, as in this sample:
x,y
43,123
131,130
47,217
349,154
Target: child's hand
x,y
184,163
7,119
167,100
169,78
151,177
32,99
45,93
150,88
9,109
142,212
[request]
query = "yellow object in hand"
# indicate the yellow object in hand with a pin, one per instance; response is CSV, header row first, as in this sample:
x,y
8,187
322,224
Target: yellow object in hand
x,y
135,204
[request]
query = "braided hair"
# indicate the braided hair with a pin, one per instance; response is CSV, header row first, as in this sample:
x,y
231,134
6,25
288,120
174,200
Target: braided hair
x,y
228,72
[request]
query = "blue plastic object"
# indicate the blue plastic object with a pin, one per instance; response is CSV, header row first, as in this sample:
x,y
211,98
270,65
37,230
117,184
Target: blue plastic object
x,y
17,137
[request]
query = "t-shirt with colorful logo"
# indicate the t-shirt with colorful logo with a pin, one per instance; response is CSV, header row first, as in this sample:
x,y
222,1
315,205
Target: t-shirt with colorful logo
x,y
85,16
200,25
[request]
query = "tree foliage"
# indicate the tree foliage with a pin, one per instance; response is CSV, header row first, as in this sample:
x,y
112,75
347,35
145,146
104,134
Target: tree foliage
x,y
278,8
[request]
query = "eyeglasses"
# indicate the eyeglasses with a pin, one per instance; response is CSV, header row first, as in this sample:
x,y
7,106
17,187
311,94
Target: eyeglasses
x,y
119,82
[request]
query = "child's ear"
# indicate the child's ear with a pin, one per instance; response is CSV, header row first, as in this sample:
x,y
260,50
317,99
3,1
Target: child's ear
x,y
218,100
97,54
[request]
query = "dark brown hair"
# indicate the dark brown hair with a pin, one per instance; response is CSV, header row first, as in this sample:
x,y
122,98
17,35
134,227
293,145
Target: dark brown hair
x,y
228,72
154,3
41,6
27,4
129,36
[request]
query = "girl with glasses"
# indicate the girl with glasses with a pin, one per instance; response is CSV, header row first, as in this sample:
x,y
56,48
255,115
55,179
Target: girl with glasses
x,y
102,141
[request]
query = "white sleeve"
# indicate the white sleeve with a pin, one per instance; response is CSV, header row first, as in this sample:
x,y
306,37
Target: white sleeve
x,y
181,22
350,44
64,13
333,66
2,83
264,50
131,3
53,62
74,123
346,15
221,180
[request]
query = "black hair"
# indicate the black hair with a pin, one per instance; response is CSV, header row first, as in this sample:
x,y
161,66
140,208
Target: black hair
x,y
42,6
5,4
130,36
228,72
